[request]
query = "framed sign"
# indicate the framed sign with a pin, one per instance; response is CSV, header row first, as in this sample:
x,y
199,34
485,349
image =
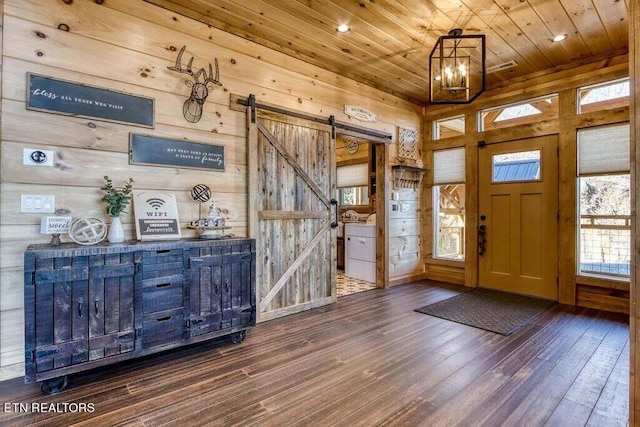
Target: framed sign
x,y
153,150
156,216
76,99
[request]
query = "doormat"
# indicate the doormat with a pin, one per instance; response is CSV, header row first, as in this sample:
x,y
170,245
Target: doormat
x,y
494,311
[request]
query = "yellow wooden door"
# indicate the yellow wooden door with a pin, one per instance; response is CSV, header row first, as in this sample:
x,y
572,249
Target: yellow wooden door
x,y
518,216
292,180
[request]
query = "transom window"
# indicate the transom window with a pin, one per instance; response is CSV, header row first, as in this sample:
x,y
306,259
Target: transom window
x,y
603,96
533,110
449,127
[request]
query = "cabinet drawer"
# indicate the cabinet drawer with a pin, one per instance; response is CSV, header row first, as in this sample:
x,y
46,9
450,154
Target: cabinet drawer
x,y
160,263
162,327
162,295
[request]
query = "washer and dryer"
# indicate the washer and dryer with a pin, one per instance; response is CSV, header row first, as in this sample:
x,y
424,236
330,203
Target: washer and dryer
x,y
360,251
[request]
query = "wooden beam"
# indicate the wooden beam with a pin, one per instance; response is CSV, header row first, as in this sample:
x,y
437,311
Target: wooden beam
x,y
471,208
567,158
634,113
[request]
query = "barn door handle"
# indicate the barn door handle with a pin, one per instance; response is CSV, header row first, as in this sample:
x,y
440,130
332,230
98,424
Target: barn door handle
x,y
334,202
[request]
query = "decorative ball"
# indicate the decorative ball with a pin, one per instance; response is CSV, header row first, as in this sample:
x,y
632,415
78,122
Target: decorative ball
x,y
87,230
200,193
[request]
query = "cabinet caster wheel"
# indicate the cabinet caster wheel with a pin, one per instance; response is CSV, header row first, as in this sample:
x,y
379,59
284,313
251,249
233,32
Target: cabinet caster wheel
x,y
238,337
54,385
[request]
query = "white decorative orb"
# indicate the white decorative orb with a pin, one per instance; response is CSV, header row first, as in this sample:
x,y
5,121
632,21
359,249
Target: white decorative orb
x,y
87,230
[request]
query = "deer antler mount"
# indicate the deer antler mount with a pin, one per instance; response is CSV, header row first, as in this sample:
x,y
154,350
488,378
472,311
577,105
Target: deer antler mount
x,y
192,107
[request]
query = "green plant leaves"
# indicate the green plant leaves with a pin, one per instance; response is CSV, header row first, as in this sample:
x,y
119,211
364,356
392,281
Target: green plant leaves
x,y
116,199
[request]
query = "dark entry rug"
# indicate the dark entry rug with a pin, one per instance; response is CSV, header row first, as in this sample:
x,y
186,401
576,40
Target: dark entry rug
x,y
495,311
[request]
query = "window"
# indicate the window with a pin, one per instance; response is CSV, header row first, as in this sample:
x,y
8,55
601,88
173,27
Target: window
x,y
514,167
603,96
447,128
352,184
533,110
354,196
604,203
449,204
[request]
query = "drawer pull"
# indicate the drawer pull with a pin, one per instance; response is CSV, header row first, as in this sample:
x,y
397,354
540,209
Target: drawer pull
x,y
163,251
163,285
163,319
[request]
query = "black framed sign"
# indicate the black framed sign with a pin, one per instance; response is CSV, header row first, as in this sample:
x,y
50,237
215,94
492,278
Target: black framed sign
x,y
75,99
153,150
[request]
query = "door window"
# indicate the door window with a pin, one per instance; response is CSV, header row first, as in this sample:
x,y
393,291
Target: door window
x,y
516,167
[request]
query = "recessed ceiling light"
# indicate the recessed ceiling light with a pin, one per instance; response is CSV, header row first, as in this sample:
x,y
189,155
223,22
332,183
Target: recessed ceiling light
x,y
342,28
559,38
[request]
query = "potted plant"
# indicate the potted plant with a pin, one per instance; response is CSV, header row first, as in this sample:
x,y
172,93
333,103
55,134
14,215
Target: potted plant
x,y
116,200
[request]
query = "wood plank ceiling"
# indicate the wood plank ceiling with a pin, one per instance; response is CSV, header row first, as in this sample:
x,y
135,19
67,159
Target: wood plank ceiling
x,y
390,40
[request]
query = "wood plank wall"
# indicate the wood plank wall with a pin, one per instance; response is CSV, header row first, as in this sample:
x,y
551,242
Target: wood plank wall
x,y
127,45
584,291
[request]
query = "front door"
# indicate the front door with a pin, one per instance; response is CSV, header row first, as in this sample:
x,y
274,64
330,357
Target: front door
x,y
518,223
292,179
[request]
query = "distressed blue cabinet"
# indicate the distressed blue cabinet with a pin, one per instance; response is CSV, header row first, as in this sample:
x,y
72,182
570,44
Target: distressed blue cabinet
x,y
91,306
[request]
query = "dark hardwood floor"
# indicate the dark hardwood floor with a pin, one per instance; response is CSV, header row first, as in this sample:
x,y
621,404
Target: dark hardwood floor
x,y
367,360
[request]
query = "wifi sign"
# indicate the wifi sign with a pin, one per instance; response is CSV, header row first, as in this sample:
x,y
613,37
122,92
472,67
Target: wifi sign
x,y
155,203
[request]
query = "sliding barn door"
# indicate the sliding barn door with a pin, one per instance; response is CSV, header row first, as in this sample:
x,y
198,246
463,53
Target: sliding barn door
x,y
292,176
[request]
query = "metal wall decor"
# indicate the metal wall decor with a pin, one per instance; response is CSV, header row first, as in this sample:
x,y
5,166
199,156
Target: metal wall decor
x,y
192,107
352,146
408,144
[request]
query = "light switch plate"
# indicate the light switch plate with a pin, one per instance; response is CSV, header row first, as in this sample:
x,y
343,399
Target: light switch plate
x,y
30,203
35,157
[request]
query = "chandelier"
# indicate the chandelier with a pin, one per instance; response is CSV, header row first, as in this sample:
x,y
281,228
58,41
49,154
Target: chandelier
x,y
457,68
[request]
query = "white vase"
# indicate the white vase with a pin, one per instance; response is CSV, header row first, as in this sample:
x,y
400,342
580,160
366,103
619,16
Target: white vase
x,y
116,231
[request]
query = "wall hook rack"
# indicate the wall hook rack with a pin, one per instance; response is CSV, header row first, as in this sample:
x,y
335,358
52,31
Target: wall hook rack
x,y
407,176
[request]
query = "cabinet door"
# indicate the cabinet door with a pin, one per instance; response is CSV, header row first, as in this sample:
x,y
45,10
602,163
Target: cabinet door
x,y
237,306
56,295
205,290
111,305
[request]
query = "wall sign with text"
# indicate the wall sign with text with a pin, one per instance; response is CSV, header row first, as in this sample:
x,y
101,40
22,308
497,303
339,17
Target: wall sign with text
x,y
156,216
152,150
360,113
76,99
